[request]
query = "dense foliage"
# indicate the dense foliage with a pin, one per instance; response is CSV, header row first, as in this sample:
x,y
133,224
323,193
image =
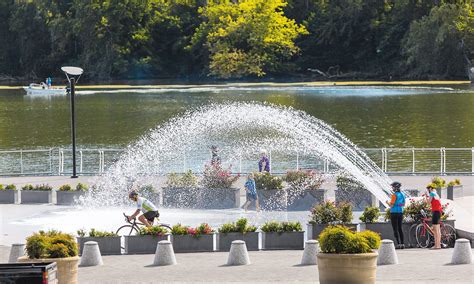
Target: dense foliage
x,y
240,226
215,176
329,212
186,180
340,239
203,229
93,233
370,215
267,181
242,38
304,179
51,244
281,227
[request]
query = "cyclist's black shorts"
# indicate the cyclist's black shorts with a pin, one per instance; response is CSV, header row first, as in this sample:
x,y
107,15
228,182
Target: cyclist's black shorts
x,y
436,217
151,215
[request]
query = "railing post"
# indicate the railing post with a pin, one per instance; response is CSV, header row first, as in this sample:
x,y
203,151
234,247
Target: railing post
x,y
21,161
50,161
297,161
441,160
472,160
80,161
413,160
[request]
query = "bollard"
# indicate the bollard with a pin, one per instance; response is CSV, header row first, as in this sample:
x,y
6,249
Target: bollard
x,y
238,254
164,254
462,253
387,254
17,250
91,255
310,254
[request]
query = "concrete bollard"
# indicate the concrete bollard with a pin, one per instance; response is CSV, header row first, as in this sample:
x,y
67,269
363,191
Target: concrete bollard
x,y
462,253
238,254
310,253
17,250
164,254
91,255
387,254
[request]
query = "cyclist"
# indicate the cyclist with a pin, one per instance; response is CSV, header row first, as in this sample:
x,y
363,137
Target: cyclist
x,y
436,209
396,213
150,212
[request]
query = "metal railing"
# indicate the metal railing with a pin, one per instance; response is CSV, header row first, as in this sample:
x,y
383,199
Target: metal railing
x,y
402,161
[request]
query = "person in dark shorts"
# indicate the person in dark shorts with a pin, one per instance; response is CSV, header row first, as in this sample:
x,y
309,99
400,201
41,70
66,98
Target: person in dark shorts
x,y
150,212
436,210
396,213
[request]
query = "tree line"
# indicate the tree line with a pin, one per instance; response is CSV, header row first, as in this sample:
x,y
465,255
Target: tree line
x,y
202,39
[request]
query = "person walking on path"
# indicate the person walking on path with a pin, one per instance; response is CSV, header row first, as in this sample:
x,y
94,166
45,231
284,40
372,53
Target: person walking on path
x,y
396,204
251,193
215,159
436,209
264,162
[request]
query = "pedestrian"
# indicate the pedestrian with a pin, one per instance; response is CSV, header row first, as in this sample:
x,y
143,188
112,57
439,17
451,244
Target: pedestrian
x,y
264,162
396,204
436,210
251,192
215,159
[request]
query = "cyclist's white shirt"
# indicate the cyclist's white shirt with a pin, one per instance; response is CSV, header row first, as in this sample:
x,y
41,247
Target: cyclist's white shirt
x,y
145,205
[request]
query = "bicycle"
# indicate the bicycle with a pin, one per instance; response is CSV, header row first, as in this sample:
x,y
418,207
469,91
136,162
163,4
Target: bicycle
x,y
134,227
425,237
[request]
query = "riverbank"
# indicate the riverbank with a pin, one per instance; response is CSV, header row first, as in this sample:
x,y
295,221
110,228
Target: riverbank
x,y
261,84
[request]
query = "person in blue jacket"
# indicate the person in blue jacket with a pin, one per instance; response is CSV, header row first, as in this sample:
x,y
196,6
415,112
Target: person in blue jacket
x,y
397,203
251,190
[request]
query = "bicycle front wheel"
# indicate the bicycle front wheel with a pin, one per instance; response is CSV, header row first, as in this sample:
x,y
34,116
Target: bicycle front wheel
x,y
448,235
127,230
423,236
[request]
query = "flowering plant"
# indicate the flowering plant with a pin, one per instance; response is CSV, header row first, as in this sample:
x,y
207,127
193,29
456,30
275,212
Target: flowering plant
x,y
215,176
412,211
304,179
203,229
267,181
186,180
153,231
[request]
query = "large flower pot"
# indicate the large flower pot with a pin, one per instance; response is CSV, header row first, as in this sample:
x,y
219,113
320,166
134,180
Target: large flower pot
x,y
275,199
360,198
456,191
304,200
8,196
201,198
142,244
107,245
285,240
347,268
68,197
67,267
36,196
189,243
224,240
315,229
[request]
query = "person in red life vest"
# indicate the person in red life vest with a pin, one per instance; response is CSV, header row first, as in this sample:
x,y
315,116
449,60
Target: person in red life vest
x,y
436,210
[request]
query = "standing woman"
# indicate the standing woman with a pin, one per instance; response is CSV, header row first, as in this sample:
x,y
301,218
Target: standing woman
x,y
396,213
436,212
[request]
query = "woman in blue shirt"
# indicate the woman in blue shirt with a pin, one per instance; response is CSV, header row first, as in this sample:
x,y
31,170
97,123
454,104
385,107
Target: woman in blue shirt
x,y
251,190
396,213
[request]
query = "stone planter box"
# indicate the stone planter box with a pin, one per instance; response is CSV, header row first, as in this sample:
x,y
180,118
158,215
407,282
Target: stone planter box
x,y
284,241
36,196
8,196
304,200
142,244
201,198
189,243
107,245
347,268
359,201
67,267
224,240
456,191
68,197
315,229
274,199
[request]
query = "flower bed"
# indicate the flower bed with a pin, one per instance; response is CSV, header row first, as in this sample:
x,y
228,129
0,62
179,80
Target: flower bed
x,y
329,213
237,231
8,194
38,194
187,239
146,240
109,243
282,236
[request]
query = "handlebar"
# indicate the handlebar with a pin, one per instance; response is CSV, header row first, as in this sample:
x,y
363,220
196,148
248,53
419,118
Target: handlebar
x,y
126,218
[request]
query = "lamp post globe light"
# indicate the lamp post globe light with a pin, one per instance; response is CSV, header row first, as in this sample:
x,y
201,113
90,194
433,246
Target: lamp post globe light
x,y
73,74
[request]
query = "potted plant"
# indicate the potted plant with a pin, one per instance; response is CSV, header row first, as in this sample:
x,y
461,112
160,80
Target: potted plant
x,y
187,239
109,242
304,189
270,191
8,194
67,195
347,256
146,240
237,231
36,194
454,189
54,246
440,185
282,235
217,191
180,190
370,221
329,213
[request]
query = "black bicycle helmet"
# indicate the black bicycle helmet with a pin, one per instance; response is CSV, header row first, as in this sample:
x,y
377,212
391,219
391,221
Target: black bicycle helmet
x,y
396,184
132,194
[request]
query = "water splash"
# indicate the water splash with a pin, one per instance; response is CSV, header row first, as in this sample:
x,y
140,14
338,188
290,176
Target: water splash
x,y
240,128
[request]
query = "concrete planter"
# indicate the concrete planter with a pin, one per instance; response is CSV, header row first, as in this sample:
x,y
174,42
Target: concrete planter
x,y
201,198
315,229
107,245
67,267
286,241
305,200
142,244
362,199
274,199
68,197
8,196
189,243
347,268
456,191
36,196
224,240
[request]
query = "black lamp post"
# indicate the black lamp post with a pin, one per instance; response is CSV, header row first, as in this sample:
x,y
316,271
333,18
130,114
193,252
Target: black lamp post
x,y
73,74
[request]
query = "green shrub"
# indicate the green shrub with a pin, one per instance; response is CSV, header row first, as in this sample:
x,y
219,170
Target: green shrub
x,y
437,182
51,244
454,182
373,238
57,251
179,229
345,212
43,187
10,187
281,227
68,241
82,187
27,187
65,187
36,246
370,215
187,180
266,181
328,212
291,227
339,239
240,226
304,179
1,187
358,244
215,176
153,231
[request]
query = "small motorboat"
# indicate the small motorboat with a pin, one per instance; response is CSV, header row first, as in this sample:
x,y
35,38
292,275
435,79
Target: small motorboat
x,y
44,89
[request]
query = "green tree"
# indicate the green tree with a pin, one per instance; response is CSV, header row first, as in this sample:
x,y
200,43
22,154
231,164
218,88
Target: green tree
x,y
250,37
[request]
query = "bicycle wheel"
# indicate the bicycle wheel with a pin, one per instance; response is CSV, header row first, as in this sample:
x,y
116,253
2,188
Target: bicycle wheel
x,y
423,236
127,230
166,226
448,235
412,236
